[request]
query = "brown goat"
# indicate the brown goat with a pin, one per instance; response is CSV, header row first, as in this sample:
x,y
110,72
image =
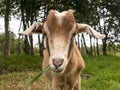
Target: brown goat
x,y
61,52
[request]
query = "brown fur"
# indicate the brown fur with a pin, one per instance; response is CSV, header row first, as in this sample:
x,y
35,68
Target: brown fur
x,y
64,32
72,72
55,28
70,79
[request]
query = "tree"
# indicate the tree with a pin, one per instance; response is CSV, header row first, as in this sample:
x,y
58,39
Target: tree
x,y
7,35
2,39
88,11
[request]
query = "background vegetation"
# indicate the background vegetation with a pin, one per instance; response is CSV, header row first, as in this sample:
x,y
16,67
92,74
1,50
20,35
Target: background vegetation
x,y
101,73
102,15
20,59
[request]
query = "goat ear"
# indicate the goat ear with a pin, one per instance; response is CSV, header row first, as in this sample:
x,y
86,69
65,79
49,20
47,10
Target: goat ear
x,y
34,28
88,29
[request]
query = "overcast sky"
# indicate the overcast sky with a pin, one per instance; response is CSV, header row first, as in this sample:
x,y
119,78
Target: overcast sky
x,y
14,25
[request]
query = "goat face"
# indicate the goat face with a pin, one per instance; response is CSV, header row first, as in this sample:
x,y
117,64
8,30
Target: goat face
x,y
59,29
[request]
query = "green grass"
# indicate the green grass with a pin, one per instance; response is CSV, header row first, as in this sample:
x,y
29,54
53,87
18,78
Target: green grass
x,y
17,80
104,72
20,63
18,69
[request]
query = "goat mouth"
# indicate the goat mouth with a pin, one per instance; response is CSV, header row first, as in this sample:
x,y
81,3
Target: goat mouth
x,y
57,70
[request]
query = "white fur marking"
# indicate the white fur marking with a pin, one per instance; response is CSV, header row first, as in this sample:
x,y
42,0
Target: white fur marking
x,y
59,16
59,50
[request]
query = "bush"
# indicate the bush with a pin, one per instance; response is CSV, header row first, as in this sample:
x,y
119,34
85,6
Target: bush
x,y
20,63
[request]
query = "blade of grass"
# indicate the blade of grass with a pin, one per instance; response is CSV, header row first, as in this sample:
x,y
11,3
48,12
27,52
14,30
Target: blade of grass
x,y
36,77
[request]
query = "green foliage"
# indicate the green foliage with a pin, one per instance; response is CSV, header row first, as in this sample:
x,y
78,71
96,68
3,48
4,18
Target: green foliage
x,y
2,39
20,63
13,45
1,8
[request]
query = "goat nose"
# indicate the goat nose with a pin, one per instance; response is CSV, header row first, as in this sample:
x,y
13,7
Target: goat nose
x,y
57,62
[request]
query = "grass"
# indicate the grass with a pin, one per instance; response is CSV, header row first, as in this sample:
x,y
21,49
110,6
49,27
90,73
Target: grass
x,y
18,69
20,63
103,71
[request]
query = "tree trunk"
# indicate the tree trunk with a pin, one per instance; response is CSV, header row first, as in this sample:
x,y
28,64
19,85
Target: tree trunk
x,y
85,44
39,44
104,42
91,48
19,47
31,45
94,48
97,46
31,20
104,47
27,46
82,48
7,36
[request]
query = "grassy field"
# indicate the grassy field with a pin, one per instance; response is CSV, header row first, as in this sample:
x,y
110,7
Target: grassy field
x,y
101,73
104,72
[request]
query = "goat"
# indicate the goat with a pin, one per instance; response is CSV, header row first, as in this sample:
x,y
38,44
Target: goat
x,y
61,52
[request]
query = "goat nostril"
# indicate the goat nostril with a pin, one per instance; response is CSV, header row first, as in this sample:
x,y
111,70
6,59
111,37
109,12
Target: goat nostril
x,y
58,62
